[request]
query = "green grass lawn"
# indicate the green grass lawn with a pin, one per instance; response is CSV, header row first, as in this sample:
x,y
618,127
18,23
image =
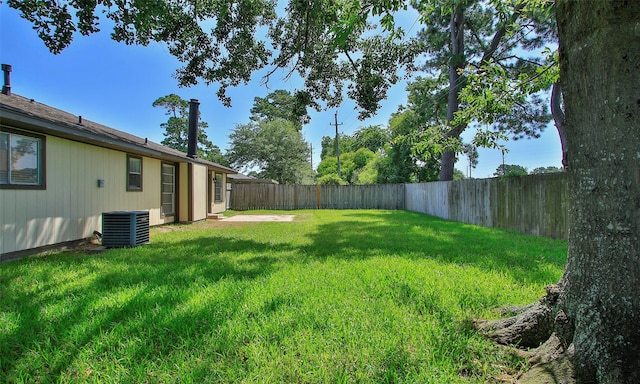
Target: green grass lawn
x,y
334,297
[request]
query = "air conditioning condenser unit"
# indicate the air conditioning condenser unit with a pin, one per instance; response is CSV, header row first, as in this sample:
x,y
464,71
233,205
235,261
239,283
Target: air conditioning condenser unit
x,y
125,228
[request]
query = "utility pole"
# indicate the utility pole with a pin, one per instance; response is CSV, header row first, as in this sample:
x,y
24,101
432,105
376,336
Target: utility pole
x,y
311,159
337,141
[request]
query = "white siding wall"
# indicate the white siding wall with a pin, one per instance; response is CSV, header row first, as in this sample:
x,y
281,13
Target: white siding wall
x,y
71,207
217,207
200,191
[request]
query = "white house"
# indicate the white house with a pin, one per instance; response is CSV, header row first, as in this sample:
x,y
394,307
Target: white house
x,y
60,172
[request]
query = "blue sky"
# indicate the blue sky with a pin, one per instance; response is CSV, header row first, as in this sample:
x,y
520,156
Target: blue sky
x,y
114,84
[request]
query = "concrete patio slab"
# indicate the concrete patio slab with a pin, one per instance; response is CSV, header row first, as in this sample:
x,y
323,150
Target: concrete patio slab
x,y
258,218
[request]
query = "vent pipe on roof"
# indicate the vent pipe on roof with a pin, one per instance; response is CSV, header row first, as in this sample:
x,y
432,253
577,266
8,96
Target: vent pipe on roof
x,y
192,148
6,88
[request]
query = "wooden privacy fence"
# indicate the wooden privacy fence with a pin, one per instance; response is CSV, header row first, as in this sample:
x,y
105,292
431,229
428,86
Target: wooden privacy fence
x,y
276,196
534,204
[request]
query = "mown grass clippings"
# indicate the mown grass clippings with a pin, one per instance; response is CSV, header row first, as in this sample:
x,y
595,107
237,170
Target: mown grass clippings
x,y
335,296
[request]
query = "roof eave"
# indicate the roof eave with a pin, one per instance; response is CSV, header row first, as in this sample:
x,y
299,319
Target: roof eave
x,y
63,130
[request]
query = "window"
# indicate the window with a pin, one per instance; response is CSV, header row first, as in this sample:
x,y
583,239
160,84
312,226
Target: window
x,y
22,161
218,191
134,173
168,189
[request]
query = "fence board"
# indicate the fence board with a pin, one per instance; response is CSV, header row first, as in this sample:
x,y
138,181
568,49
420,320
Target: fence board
x,y
288,197
534,204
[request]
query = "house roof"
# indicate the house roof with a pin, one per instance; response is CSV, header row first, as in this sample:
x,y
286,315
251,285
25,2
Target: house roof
x,y
21,112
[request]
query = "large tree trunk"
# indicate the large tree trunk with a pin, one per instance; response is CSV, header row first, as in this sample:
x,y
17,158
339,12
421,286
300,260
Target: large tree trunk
x,y
592,317
456,64
600,72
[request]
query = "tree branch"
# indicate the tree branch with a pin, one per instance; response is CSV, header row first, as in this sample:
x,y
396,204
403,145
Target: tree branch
x,y
520,58
500,33
353,64
475,35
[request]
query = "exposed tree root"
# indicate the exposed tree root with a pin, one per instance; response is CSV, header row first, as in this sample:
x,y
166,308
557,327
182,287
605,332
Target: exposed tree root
x,y
527,329
530,327
555,368
542,327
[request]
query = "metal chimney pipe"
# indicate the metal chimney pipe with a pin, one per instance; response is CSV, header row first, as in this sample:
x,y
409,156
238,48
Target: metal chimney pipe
x,y
192,136
6,88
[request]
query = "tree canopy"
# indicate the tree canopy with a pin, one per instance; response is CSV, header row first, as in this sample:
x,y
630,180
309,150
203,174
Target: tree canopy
x,y
375,155
271,144
273,149
510,170
549,169
473,53
176,129
480,61
281,104
326,43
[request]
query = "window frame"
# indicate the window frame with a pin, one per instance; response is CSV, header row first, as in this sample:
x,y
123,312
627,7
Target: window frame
x,y
162,192
129,173
41,161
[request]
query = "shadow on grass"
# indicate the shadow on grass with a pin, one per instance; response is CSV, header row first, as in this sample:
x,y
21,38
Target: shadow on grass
x,y
136,302
413,235
133,301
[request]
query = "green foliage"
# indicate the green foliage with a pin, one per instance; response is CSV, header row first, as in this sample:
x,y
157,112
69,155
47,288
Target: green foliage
x,y
373,138
347,166
485,76
176,129
331,45
413,155
367,174
418,137
510,170
351,164
514,106
458,175
331,179
549,169
280,104
482,75
327,166
512,97
328,144
471,151
267,146
174,104
326,43
427,99
327,147
275,148
336,296
362,156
